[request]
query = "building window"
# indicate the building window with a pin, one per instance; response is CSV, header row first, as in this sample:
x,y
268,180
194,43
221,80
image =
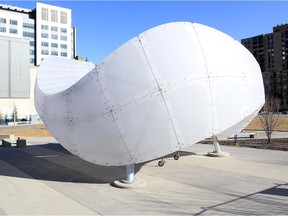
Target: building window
x,y
63,30
32,43
64,54
54,15
54,36
53,28
28,25
63,46
44,13
13,22
32,60
13,31
64,38
31,51
54,53
45,44
63,17
44,52
2,20
44,35
2,29
55,45
44,27
28,34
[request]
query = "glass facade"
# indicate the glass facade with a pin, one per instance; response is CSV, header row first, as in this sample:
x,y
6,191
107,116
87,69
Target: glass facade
x,y
13,22
54,15
44,35
28,25
2,20
63,54
63,46
63,30
64,38
53,28
28,34
54,53
44,27
44,52
44,13
55,45
63,17
45,44
13,31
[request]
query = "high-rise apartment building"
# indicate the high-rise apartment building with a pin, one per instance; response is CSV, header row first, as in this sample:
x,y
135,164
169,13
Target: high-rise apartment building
x,y
271,52
48,29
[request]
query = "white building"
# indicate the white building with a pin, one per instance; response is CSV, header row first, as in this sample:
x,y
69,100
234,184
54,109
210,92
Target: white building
x,y
53,32
48,28
26,38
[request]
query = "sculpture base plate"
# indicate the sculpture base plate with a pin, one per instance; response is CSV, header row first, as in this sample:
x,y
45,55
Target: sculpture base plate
x,y
129,185
218,154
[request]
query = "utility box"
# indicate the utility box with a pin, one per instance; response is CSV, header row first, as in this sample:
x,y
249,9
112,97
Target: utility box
x,y
21,143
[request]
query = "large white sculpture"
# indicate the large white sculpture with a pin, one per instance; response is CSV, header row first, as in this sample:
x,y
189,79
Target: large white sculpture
x,y
170,87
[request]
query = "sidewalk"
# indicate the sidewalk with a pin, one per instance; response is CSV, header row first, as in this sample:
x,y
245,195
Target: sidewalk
x,y
44,179
275,134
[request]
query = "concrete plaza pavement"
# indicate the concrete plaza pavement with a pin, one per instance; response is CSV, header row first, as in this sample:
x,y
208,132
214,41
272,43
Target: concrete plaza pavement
x,y
45,179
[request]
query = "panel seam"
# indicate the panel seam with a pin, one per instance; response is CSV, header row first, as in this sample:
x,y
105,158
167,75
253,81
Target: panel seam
x,y
160,90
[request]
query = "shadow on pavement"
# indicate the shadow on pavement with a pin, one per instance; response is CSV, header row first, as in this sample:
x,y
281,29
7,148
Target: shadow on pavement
x,y
52,162
253,204
279,190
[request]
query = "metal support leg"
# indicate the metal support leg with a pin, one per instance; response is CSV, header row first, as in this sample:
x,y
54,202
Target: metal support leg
x,y
217,152
129,182
130,173
216,144
236,139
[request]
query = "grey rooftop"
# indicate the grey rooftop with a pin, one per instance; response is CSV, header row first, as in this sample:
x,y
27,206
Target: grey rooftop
x,y
45,179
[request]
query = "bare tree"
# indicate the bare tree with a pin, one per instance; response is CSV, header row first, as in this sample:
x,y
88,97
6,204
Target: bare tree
x,y
269,117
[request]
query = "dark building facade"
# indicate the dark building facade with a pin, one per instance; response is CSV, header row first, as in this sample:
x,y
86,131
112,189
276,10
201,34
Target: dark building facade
x,y
271,52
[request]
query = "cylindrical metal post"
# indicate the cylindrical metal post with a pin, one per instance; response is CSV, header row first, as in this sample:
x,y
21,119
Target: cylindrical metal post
x,y
236,139
130,173
216,144
14,113
4,120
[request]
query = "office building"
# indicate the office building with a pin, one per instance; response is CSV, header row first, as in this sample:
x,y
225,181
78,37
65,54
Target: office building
x,y
26,38
48,29
271,52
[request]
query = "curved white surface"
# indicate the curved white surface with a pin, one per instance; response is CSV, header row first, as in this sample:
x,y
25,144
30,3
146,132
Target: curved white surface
x,y
170,87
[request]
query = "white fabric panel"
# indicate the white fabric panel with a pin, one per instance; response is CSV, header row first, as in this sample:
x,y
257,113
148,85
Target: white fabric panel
x,y
250,66
125,75
255,93
174,53
191,113
237,127
88,100
229,102
99,141
221,52
65,71
146,128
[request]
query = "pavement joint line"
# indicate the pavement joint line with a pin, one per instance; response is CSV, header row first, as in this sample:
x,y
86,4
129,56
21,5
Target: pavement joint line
x,y
162,184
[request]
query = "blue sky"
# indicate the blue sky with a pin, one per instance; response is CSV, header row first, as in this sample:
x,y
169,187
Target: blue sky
x,y
103,26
